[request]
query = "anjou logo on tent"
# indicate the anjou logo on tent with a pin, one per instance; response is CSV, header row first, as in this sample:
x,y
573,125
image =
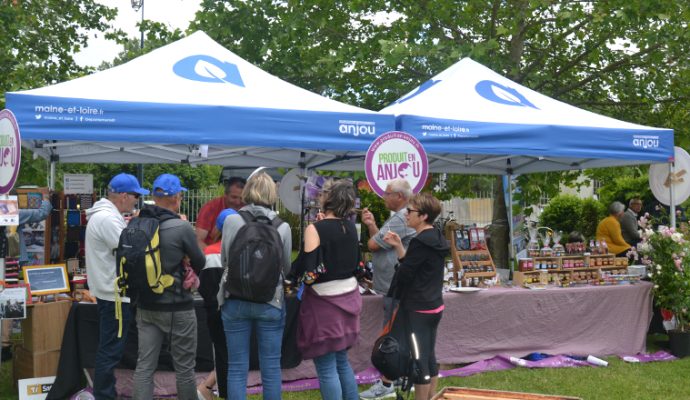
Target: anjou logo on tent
x,y
208,69
494,91
646,141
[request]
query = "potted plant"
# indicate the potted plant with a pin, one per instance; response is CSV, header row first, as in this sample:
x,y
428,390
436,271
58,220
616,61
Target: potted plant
x,y
666,253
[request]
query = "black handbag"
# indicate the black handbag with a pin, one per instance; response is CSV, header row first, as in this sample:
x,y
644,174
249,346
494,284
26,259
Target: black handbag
x,y
393,353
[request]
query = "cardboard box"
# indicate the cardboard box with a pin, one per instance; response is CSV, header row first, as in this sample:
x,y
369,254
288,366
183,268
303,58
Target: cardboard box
x,y
27,364
44,325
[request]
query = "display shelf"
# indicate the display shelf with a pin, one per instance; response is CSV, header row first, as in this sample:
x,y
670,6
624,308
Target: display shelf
x,y
473,266
37,235
532,269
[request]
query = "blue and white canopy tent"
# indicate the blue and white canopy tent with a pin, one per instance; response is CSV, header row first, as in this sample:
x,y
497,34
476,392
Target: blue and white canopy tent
x,y
196,102
476,121
192,101
473,120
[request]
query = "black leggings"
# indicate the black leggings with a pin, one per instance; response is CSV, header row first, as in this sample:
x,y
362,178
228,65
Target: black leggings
x,y
424,326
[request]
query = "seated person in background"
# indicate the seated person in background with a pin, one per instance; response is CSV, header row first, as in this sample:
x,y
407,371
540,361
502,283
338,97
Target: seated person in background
x,y
609,230
576,237
628,221
206,231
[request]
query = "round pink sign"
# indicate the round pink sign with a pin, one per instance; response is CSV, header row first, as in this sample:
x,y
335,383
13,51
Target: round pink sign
x,y
396,155
10,151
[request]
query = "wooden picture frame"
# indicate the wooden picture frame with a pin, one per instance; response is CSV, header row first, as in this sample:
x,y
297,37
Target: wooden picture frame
x,y
46,279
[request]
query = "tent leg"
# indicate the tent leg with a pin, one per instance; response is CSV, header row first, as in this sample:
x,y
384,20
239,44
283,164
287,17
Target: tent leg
x,y
303,212
51,176
140,176
672,201
509,208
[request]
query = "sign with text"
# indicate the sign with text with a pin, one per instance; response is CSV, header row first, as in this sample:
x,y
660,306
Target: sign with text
x,y
35,388
396,155
10,151
46,279
78,183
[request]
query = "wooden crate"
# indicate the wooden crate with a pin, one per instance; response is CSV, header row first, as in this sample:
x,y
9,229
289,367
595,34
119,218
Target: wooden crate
x,y
461,393
44,325
27,364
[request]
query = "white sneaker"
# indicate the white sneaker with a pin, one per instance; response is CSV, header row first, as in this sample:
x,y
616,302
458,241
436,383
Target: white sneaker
x,y
378,391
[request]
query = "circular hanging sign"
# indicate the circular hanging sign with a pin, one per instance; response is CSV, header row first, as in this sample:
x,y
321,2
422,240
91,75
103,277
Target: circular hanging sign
x,y
396,155
10,151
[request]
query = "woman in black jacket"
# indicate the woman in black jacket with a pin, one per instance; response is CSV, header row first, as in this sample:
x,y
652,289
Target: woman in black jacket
x,y
419,285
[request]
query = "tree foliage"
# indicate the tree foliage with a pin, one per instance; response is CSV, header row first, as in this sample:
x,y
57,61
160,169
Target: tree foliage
x,y
569,213
39,38
622,58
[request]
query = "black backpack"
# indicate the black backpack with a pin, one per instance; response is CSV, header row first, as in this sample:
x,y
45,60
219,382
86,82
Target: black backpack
x,y
255,259
138,262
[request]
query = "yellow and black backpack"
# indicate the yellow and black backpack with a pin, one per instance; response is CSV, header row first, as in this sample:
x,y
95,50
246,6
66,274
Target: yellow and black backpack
x,y
138,262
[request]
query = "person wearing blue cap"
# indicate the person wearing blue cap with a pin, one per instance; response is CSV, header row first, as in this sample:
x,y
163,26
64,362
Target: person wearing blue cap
x,y
208,288
105,223
169,314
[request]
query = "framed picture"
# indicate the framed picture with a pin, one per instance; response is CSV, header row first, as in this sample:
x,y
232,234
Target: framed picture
x,y
13,303
47,279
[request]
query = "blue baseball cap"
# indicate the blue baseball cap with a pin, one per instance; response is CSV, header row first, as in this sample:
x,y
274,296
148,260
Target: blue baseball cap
x,y
126,183
221,217
167,185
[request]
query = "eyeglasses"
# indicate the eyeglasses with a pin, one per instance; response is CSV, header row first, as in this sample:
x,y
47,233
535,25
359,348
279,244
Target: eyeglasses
x,y
389,193
410,210
136,195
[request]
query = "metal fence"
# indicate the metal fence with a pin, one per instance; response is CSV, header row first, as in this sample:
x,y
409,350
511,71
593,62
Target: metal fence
x,y
477,210
191,202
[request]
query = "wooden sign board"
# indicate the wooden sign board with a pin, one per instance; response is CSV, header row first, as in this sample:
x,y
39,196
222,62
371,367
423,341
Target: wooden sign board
x,y
47,279
461,393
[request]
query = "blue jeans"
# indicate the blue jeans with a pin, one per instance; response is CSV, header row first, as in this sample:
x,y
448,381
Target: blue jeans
x,y
336,378
110,347
240,318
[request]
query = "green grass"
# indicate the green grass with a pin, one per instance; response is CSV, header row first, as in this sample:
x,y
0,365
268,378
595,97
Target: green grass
x,y
620,380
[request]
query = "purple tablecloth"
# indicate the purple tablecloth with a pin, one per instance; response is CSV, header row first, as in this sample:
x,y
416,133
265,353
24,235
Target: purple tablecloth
x,y
475,326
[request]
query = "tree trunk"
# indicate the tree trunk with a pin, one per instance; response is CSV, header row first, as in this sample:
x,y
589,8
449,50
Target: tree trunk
x,y
500,231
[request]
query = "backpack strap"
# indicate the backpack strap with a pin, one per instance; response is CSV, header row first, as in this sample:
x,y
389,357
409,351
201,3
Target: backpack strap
x,y
276,222
246,216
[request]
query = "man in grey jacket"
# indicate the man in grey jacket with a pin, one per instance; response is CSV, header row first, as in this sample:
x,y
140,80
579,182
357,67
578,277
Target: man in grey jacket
x,y
170,314
629,227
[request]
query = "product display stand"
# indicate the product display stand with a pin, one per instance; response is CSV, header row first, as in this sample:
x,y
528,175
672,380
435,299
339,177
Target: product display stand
x,y
470,267
568,269
37,236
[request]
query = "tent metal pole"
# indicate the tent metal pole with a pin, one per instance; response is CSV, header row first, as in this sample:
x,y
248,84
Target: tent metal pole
x,y
511,249
672,201
51,176
140,176
303,213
